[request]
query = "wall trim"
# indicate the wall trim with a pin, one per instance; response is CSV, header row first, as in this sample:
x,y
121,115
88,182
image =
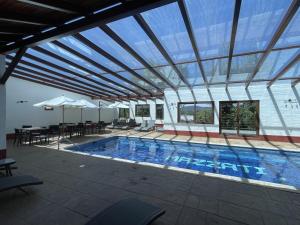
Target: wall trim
x,y
293,139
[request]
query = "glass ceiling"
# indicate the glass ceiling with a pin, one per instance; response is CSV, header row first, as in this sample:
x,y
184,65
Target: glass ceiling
x,y
139,67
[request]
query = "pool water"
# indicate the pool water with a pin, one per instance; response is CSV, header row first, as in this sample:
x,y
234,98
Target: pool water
x,y
282,167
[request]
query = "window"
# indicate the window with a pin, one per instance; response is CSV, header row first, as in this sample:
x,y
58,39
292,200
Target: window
x,y
196,112
159,111
123,113
239,117
142,110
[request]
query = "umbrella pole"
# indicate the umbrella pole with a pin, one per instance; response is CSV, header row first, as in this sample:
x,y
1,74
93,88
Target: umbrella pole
x,y
99,112
81,115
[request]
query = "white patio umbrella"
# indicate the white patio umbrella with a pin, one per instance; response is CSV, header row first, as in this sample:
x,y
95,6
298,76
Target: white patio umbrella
x,y
84,104
61,101
118,105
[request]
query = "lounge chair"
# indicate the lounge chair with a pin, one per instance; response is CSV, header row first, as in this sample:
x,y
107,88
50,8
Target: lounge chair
x,y
128,212
113,124
130,125
120,124
150,126
143,125
11,182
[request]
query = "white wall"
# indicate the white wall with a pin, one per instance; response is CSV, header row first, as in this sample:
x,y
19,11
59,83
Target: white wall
x,y
275,117
2,104
152,103
18,114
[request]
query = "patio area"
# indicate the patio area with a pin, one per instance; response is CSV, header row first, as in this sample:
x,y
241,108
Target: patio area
x,y
77,187
188,108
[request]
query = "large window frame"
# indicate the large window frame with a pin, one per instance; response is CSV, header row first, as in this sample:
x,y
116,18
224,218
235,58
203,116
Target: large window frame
x,y
160,115
144,110
124,113
195,110
257,102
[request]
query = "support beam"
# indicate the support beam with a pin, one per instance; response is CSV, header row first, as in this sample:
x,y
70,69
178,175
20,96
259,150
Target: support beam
x,y
235,21
281,28
285,68
146,28
53,5
295,82
24,19
102,52
53,81
12,65
187,22
131,97
118,12
90,72
37,59
97,88
24,70
130,50
50,85
96,64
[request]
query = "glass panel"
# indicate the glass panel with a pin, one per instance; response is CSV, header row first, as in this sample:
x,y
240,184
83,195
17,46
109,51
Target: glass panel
x,y
204,113
65,54
168,25
168,73
243,66
129,30
137,81
229,118
88,52
247,118
186,112
274,62
291,35
211,21
257,23
55,61
101,39
215,70
192,73
124,83
293,72
142,110
150,76
123,113
159,111
70,75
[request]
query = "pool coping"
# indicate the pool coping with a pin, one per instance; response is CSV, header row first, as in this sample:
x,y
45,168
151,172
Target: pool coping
x,y
284,187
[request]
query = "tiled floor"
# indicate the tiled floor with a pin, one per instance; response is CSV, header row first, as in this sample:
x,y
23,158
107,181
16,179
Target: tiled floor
x,y
76,187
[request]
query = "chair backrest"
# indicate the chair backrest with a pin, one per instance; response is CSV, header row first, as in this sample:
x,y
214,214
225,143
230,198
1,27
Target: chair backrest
x,y
18,131
88,121
151,123
26,126
132,122
144,123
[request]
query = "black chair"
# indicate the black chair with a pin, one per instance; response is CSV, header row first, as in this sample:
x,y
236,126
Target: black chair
x,y
21,137
128,212
53,131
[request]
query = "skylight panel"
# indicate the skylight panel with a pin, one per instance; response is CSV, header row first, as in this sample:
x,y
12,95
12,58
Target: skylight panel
x,y
129,30
168,25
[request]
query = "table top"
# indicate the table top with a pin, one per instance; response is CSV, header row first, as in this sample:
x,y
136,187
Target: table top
x,y
8,161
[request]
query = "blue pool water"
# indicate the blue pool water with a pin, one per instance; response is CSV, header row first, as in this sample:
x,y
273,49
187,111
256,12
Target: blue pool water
x,y
275,166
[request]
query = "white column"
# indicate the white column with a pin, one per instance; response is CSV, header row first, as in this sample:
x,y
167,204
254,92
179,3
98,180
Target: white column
x,y
2,110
